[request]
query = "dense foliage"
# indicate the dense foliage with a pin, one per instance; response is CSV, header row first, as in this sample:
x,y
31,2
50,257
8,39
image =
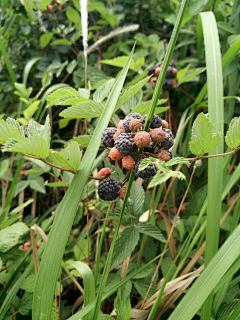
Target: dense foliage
x,y
120,167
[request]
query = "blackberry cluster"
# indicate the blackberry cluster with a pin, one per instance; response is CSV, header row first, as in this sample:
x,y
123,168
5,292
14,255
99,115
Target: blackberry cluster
x,y
125,141
169,81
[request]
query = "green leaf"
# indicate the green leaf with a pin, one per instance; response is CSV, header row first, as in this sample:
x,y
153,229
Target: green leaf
x,y
122,306
209,278
69,157
34,145
81,250
137,198
45,39
9,236
29,283
191,75
72,15
181,73
29,112
16,125
43,131
85,109
125,245
88,284
20,207
150,230
45,3
63,96
61,42
49,267
178,160
57,184
38,185
119,62
105,317
130,92
143,107
83,141
203,139
233,134
102,92
26,303
8,131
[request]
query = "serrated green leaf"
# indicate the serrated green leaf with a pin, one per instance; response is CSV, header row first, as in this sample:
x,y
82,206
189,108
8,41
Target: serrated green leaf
x,y
34,145
130,92
124,246
72,15
43,131
233,134
191,75
26,303
142,286
137,198
9,236
143,107
45,39
69,157
119,62
85,109
178,160
102,92
81,251
122,306
29,283
161,177
63,96
150,230
16,124
203,140
9,131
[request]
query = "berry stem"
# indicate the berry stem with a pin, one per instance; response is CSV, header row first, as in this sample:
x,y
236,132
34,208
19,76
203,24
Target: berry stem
x,y
215,155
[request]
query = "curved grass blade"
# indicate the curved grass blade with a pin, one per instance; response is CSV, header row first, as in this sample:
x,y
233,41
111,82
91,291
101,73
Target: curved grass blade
x,y
65,213
209,278
216,116
88,284
28,68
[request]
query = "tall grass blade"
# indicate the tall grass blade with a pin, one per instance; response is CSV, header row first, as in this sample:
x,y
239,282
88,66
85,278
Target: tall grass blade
x,y
209,278
65,213
216,116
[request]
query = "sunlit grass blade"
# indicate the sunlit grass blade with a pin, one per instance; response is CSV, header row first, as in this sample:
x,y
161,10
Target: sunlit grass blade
x,y
65,213
6,59
88,284
216,116
209,278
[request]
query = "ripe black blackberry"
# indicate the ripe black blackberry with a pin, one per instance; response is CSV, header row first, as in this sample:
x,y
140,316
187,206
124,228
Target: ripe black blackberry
x,y
125,144
107,137
156,121
128,119
169,140
108,190
168,84
146,173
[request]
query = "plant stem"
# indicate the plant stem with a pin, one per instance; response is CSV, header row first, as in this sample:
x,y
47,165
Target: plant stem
x,y
101,244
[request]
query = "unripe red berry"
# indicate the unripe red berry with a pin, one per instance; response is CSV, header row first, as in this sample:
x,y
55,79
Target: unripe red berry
x,y
163,155
135,125
38,244
122,192
49,8
115,154
120,125
128,162
142,139
157,71
165,124
174,83
158,135
116,135
26,246
104,173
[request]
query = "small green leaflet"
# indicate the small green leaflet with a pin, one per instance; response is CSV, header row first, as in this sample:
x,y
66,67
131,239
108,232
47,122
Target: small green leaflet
x,y
203,139
9,131
102,92
9,236
45,39
64,96
83,141
84,109
69,157
233,134
143,107
150,230
124,246
178,160
43,131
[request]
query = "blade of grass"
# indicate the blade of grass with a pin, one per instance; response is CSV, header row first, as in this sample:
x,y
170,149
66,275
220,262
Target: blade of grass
x,y
65,213
216,116
7,60
88,284
209,278
164,67
113,289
